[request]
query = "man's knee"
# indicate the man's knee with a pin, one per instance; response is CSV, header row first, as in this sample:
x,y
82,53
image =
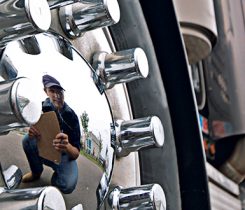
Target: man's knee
x,y
65,188
29,145
26,142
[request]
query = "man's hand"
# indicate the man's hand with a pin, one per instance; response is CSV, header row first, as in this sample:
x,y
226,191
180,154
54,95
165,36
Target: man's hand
x,y
34,133
61,144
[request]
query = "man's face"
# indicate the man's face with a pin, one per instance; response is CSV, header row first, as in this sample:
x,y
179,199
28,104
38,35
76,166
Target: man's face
x,y
56,96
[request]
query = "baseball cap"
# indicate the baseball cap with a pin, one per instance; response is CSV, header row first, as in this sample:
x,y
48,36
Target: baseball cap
x,y
49,81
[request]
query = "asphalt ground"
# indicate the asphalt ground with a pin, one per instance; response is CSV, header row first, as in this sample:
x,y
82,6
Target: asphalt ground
x,y
11,153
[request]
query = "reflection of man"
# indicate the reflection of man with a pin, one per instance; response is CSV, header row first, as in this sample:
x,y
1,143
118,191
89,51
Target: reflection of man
x,y
67,142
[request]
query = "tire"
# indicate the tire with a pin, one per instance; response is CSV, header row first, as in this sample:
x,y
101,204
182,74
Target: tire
x,y
148,97
179,167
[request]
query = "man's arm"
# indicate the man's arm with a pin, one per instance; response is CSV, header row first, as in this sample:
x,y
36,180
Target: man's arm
x,y
61,143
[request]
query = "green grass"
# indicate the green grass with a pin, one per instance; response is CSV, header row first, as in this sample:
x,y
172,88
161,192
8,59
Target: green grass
x,y
91,158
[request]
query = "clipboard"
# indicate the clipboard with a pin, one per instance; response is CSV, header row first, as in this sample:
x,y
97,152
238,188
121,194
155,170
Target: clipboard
x,y
48,126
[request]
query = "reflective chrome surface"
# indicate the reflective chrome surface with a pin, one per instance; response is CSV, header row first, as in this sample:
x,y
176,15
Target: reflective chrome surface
x,y
88,15
78,207
198,81
23,18
143,197
20,104
120,67
11,177
53,4
225,93
33,198
60,60
198,26
30,45
7,71
139,133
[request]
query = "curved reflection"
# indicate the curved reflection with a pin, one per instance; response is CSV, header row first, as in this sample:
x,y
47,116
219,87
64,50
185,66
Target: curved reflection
x,y
11,177
60,60
19,107
32,198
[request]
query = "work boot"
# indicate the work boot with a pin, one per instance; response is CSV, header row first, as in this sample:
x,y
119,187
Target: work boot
x,y
30,177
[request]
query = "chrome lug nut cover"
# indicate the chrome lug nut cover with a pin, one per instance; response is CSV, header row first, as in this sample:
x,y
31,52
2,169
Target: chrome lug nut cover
x,y
149,196
120,67
19,107
88,15
136,134
23,18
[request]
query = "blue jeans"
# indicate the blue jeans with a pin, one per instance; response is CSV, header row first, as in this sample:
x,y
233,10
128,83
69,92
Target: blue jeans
x,y
65,174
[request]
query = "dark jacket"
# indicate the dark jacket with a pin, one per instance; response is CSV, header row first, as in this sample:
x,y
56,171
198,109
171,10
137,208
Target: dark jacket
x,y
68,120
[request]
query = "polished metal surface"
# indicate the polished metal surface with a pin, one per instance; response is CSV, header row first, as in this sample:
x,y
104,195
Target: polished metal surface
x,y
224,79
220,199
76,76
88,15
242,185
11,177
198,26
142,197
226,99
220,179
20,104
2,179
120,67
198,46
7,71
41,198
78,207
53,4
234,168
30,45
136,134
198,81
23,18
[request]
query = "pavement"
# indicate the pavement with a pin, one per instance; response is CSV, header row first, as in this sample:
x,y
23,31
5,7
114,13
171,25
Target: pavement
x,y
11,153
